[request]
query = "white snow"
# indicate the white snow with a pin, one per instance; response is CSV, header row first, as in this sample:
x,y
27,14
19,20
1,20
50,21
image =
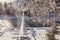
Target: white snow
x,y
39,33
7,1
21,33
5,24
57,37
7,36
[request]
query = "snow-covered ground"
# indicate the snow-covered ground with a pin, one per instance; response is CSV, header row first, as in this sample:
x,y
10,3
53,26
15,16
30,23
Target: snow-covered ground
x,y
3,1
8,35
41,33
38,33
5,24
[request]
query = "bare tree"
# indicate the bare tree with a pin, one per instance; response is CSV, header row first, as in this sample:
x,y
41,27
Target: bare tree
x,y
41,8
